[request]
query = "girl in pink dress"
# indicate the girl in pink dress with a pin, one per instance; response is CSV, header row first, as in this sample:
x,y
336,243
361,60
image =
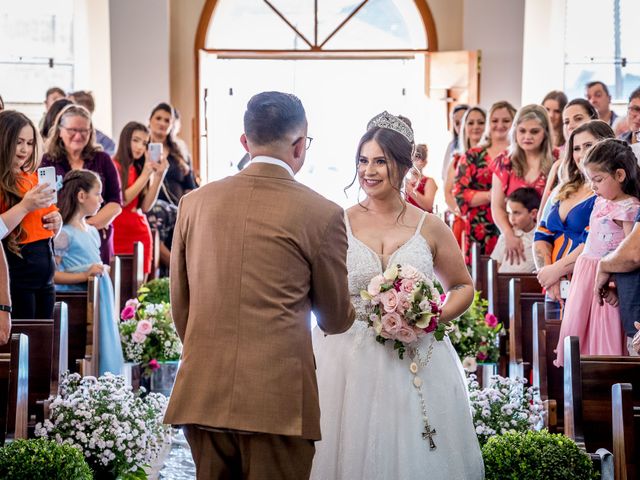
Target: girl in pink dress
x,y
612,170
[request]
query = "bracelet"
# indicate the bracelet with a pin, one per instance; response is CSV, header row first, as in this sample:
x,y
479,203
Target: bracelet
x,y
5,308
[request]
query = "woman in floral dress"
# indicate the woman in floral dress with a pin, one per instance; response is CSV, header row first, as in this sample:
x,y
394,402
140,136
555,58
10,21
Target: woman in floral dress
x,y
472,187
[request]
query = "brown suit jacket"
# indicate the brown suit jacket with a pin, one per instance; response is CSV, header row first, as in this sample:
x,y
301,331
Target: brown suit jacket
x,y
252,254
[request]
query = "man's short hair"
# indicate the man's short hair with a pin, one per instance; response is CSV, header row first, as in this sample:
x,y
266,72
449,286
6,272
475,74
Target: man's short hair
x,y
527,196
602,84
84,98
53,90
271,116
635,94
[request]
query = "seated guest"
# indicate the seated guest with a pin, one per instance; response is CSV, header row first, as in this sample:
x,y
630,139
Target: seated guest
x,y
86,99
633,118
564,226
554,103
598,95
77,254
526,164
522,207
419,189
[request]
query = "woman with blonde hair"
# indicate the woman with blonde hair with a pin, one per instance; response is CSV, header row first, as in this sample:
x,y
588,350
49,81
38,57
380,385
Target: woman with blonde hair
x,y
72,146
472,186
526,164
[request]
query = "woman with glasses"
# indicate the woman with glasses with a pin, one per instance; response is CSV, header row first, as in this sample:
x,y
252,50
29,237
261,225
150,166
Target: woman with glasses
x,y
420,190
72,146
178,180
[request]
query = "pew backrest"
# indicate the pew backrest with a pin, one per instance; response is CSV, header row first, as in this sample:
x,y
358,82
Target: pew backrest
x,y
521,306
625,421
14,389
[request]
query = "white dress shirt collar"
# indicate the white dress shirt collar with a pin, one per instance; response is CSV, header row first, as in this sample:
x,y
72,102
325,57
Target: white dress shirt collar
x,y
273,161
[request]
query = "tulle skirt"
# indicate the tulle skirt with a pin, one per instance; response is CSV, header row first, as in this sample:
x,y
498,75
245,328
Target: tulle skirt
x,y
371,416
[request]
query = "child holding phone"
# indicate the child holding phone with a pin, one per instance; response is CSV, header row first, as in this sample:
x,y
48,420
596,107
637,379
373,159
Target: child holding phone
x,y
612,170
141,172
77,251
29,219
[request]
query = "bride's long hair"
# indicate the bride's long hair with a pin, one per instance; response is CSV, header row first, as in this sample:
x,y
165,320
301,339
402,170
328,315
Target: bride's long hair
x,y
396,148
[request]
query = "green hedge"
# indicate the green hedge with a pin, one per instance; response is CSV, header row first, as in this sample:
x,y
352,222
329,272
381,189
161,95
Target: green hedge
x,y
42,459
535,456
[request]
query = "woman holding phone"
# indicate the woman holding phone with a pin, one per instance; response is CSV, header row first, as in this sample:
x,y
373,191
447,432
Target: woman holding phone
x,y
142,171
178,180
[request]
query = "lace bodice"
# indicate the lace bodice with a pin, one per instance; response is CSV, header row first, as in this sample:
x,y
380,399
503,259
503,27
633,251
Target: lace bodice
x,y
363,263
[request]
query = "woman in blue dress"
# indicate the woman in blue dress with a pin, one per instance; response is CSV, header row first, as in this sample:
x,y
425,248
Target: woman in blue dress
x,y
564,224
77,254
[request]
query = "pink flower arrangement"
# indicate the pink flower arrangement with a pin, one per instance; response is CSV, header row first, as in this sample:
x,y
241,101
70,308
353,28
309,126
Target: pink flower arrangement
x,y
128,312
491,320
404,306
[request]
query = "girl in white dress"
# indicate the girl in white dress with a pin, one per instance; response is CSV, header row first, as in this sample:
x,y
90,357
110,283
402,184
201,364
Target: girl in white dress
x,y
375,423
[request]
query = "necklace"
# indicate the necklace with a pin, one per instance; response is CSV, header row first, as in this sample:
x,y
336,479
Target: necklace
x,y
417,361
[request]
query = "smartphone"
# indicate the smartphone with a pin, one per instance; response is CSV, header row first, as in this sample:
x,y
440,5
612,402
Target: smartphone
x,y
155,152
47,175
564,289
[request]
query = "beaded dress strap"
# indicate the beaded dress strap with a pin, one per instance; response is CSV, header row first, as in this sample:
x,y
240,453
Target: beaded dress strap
x,y
424,215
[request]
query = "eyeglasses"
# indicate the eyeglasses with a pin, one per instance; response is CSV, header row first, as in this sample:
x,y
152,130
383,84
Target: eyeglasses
x,y
73,131
307,141
634,109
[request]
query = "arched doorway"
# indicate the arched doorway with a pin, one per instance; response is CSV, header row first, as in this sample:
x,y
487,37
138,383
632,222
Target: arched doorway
x,y
373,58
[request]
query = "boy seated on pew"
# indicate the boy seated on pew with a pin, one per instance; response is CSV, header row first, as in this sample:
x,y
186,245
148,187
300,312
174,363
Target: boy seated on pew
x,y
522,208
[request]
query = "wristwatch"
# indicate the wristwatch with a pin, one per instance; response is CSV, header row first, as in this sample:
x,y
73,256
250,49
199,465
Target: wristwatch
x,y
5,308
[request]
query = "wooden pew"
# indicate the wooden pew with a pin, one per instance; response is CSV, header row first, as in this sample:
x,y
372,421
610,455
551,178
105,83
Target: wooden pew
x,y
48,357
520,320
132,274
155,254
626,432
115,273
546,376
587,394
498,290
479,269
14,389
84,328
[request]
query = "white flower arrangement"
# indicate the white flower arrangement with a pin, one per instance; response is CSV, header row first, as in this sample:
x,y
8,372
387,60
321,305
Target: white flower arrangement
x,y
504,406
117,430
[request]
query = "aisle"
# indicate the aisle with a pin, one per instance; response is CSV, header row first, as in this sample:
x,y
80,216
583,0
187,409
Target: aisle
x,y
178,464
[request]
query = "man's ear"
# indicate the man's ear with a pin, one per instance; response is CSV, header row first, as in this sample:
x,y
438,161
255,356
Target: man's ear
x,y
534,213
244,142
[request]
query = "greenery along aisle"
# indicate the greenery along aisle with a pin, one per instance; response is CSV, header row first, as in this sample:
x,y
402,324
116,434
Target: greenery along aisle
x,y
147,331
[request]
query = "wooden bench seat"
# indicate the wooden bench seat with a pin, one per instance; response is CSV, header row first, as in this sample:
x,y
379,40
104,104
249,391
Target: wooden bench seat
x,y
14,389
625,418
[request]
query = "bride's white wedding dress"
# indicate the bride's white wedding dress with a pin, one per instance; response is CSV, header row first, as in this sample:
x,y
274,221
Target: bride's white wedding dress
x,y
371,416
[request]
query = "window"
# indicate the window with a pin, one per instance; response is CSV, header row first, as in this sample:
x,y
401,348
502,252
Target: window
x,y
601,43
36,51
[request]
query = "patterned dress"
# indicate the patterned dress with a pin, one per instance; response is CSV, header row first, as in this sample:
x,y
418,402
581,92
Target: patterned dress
x,y
473,176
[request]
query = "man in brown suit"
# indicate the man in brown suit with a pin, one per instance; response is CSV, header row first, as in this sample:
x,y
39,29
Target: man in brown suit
x,y
252,255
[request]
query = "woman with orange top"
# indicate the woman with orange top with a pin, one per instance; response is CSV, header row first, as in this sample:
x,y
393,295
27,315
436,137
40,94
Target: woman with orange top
x,y
141,178
29,219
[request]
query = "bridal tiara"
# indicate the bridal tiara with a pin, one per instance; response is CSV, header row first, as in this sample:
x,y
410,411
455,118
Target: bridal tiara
x,y
391,122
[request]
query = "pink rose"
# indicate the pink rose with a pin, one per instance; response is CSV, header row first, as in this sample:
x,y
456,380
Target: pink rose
x,y
144,327
481,356
153,364
443,297
391,324
410,272
491,320
132,302
128,313
406,335
433,324
138,337
407,285
403,302
375,284
389,300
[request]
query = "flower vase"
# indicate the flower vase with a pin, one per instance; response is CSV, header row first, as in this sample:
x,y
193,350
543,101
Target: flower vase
x,y
132,373
163,377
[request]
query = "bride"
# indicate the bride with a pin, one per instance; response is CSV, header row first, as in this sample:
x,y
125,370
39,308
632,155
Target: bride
x,y
376,423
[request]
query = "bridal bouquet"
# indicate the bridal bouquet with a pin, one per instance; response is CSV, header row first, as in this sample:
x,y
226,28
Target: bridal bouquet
x,y
403,306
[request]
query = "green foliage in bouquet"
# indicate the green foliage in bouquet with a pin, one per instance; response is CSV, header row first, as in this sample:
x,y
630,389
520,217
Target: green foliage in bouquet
x,y
155,291
535,456
35,459
474,334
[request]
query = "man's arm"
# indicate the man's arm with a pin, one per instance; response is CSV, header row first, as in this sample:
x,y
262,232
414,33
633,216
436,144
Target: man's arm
x,y
179,282
5,299
330,297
